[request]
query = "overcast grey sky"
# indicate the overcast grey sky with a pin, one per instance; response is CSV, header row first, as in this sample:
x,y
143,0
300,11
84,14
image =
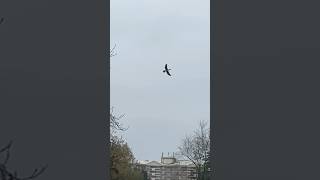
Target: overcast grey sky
x,y
160,110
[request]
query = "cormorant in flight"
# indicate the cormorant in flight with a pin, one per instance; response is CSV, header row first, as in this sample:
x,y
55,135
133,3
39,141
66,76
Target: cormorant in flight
x,y
166,70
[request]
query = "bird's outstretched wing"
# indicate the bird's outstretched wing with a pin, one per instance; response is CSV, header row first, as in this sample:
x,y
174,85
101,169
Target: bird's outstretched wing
x,y
166,70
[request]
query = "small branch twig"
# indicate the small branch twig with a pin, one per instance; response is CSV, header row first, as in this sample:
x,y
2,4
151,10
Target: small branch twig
x,y
5,174
112,51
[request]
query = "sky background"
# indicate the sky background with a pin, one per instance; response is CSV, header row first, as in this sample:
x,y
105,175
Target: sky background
x,y
160,110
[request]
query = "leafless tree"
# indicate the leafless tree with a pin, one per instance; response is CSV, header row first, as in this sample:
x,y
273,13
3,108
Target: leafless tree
x,y
115,124
115,121
5,174
196,147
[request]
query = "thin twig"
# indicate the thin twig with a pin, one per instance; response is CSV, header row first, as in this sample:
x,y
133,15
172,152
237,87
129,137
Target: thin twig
x,y
5,174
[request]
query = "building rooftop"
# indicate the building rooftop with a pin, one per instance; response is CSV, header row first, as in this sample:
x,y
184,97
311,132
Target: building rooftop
x,y
158,163
166,161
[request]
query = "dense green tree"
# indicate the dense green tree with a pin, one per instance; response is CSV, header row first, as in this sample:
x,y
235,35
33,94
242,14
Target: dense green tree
x,y
122,167
122,158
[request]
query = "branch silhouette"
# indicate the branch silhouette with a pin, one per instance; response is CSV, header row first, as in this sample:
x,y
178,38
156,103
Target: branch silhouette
x,y
115,121
6,174
112,51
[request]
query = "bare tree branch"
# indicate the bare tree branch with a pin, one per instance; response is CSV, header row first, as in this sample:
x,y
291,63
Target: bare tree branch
x,y
36,173
5,174
196,147
115,121
112,51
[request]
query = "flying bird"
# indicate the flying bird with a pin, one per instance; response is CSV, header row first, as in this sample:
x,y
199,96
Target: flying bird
x,y
166,70
1,20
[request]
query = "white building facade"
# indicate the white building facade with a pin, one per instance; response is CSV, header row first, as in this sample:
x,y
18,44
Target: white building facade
x,y
168,168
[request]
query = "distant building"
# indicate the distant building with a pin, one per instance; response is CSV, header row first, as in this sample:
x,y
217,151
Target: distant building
x,y
168,168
